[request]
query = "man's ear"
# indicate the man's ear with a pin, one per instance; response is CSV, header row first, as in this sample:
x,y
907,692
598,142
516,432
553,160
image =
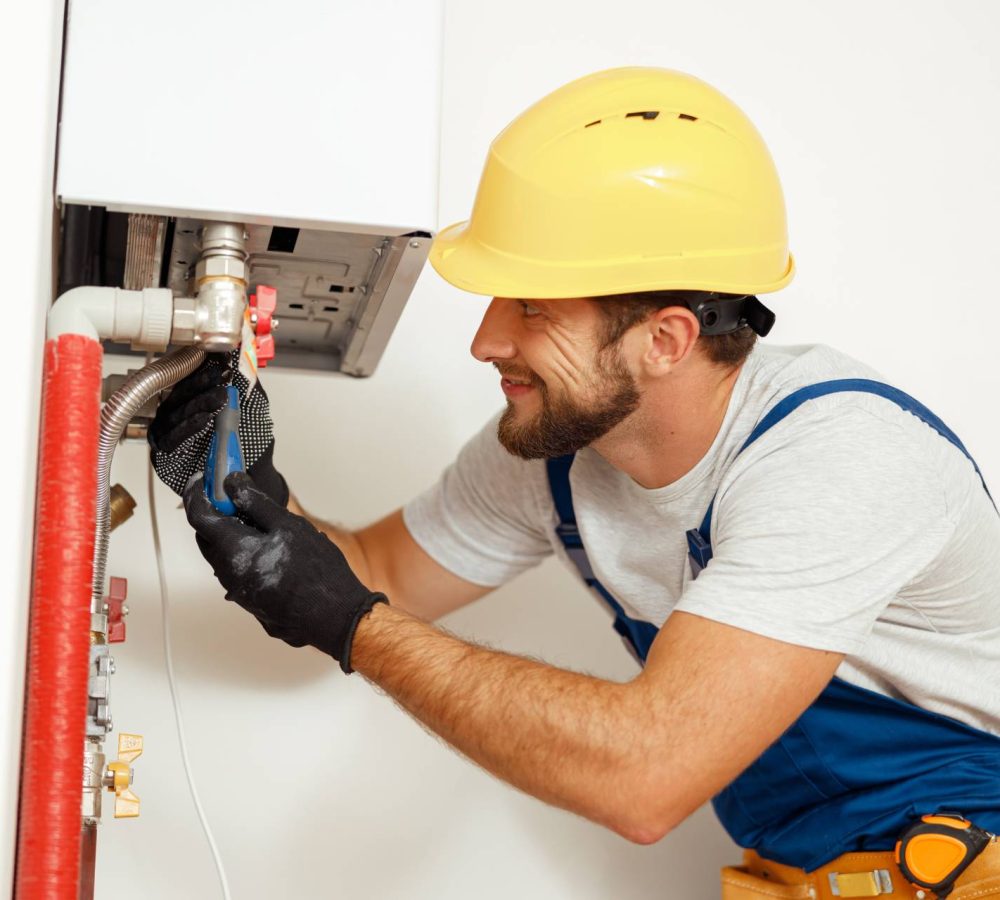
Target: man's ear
x,y
669,336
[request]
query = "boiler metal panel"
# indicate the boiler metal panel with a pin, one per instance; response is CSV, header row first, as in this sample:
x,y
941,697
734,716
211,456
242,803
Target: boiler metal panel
x,y
340,292
302,110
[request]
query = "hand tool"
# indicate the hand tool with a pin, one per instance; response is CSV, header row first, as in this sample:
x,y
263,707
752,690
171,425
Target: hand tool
x,y
225,454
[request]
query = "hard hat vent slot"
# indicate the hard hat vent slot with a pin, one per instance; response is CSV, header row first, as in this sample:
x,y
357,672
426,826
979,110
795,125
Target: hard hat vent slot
x,y
649,114
595,122
686,116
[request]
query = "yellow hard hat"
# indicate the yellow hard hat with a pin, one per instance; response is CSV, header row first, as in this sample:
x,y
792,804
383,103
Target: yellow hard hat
x,y
634,179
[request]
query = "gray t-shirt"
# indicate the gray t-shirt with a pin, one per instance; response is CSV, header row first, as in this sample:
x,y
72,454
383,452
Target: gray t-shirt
x,y
850,526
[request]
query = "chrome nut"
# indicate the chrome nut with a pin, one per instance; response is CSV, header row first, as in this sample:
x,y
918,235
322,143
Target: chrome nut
x,y
183,330
221,267
222,236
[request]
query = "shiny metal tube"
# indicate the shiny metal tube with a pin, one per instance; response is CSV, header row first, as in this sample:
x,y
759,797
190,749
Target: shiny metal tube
x,y
115,415
221,277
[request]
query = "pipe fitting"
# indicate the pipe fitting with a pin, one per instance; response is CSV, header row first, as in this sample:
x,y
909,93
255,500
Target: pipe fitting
x,y
228,267
223,237
122,506
221,279
93,781
185,320
218,314
142,319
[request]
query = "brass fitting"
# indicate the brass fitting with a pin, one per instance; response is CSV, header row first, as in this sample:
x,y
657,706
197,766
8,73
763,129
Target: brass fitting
x,y
122,506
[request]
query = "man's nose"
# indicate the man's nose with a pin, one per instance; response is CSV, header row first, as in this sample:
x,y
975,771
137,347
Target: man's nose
x,y
494,339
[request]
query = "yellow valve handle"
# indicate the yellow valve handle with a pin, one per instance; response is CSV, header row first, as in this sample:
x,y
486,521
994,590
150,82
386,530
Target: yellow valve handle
x,y
126,803
129,747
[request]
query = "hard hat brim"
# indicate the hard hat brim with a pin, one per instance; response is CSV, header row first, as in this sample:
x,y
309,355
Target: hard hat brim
x,y
472,266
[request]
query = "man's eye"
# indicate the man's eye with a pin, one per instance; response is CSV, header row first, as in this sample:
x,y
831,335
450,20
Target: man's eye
x,y
530,310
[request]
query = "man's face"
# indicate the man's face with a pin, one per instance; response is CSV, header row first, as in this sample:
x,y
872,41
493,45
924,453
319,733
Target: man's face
x,y
563,391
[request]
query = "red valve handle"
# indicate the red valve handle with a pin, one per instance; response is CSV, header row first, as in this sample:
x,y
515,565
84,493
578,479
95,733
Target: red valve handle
x,y
263,303
116,609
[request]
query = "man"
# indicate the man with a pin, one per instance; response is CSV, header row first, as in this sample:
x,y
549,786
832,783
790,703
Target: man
x,y
803,556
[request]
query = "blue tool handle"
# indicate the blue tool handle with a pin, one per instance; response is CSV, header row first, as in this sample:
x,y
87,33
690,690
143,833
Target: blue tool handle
x,y
225,454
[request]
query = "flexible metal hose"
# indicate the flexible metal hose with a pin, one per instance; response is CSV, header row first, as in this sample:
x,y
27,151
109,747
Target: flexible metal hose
x,y
121,406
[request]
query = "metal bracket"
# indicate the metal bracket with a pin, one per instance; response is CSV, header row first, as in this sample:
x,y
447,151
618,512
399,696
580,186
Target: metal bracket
x,y
861,884
102,667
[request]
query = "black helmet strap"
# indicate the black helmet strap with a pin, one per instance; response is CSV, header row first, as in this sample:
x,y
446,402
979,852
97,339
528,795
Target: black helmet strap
x,y
726,313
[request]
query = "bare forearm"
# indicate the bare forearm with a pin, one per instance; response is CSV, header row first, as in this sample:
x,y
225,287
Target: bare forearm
x,y
568,739
386,558
348,543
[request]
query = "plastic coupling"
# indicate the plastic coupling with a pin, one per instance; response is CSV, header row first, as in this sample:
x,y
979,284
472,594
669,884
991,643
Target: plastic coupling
x,y
142,319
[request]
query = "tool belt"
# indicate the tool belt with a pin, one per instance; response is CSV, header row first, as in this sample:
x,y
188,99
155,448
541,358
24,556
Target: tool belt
x,y
852,875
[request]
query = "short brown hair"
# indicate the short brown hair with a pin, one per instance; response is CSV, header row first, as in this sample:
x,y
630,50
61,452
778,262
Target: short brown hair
x,y
622,311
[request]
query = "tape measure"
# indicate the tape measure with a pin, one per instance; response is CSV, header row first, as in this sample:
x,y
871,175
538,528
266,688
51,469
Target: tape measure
x,y
939,848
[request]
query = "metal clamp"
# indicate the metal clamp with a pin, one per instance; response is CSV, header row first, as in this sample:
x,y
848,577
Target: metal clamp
x,y
861,884
102,667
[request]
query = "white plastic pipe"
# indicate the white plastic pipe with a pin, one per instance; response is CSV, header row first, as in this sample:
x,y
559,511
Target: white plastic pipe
x,y
141,318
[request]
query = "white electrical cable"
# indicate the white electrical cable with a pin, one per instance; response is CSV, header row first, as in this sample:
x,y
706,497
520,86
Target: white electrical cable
x,y
168,657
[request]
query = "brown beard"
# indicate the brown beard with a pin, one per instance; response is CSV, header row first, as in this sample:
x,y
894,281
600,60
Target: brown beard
x,y
563,426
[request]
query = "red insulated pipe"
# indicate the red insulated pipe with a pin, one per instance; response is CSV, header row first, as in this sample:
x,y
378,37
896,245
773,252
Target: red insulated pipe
x,y
48,846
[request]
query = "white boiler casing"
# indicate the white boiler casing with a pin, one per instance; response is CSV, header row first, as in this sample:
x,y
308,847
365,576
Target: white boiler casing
x,y
301,110
314,124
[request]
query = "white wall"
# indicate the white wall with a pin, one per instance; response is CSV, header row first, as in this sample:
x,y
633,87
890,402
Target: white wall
x,y
882,120
29,92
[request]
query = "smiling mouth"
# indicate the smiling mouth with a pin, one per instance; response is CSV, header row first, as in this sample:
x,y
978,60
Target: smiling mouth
x,y
514,387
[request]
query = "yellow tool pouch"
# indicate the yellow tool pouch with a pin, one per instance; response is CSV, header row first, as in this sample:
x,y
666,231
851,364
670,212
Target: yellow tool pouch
x,y
852,875
739,884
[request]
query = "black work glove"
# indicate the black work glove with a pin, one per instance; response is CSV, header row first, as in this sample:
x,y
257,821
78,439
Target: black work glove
x,y
181,432
276,565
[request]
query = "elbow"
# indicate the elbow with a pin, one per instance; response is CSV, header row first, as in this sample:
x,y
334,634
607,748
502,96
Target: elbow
x,y
642,834
641,829
142,318
642,815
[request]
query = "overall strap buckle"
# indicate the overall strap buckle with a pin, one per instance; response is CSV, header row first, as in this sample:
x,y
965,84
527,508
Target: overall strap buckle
x,y
699,551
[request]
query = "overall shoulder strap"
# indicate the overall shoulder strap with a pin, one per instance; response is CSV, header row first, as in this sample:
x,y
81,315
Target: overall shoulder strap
x,y
566,530
562,496
699,539
637,634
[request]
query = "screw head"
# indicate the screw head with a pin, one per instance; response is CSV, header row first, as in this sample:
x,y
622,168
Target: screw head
x,y
415,245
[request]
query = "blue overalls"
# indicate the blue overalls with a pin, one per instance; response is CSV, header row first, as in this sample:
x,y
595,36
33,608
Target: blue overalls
x,y
857,767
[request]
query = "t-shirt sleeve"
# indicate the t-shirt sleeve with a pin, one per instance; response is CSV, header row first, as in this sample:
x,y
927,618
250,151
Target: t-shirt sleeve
x,y
483,520
818,528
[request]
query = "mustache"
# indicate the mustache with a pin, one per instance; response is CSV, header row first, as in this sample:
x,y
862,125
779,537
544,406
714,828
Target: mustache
x,y
519,374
